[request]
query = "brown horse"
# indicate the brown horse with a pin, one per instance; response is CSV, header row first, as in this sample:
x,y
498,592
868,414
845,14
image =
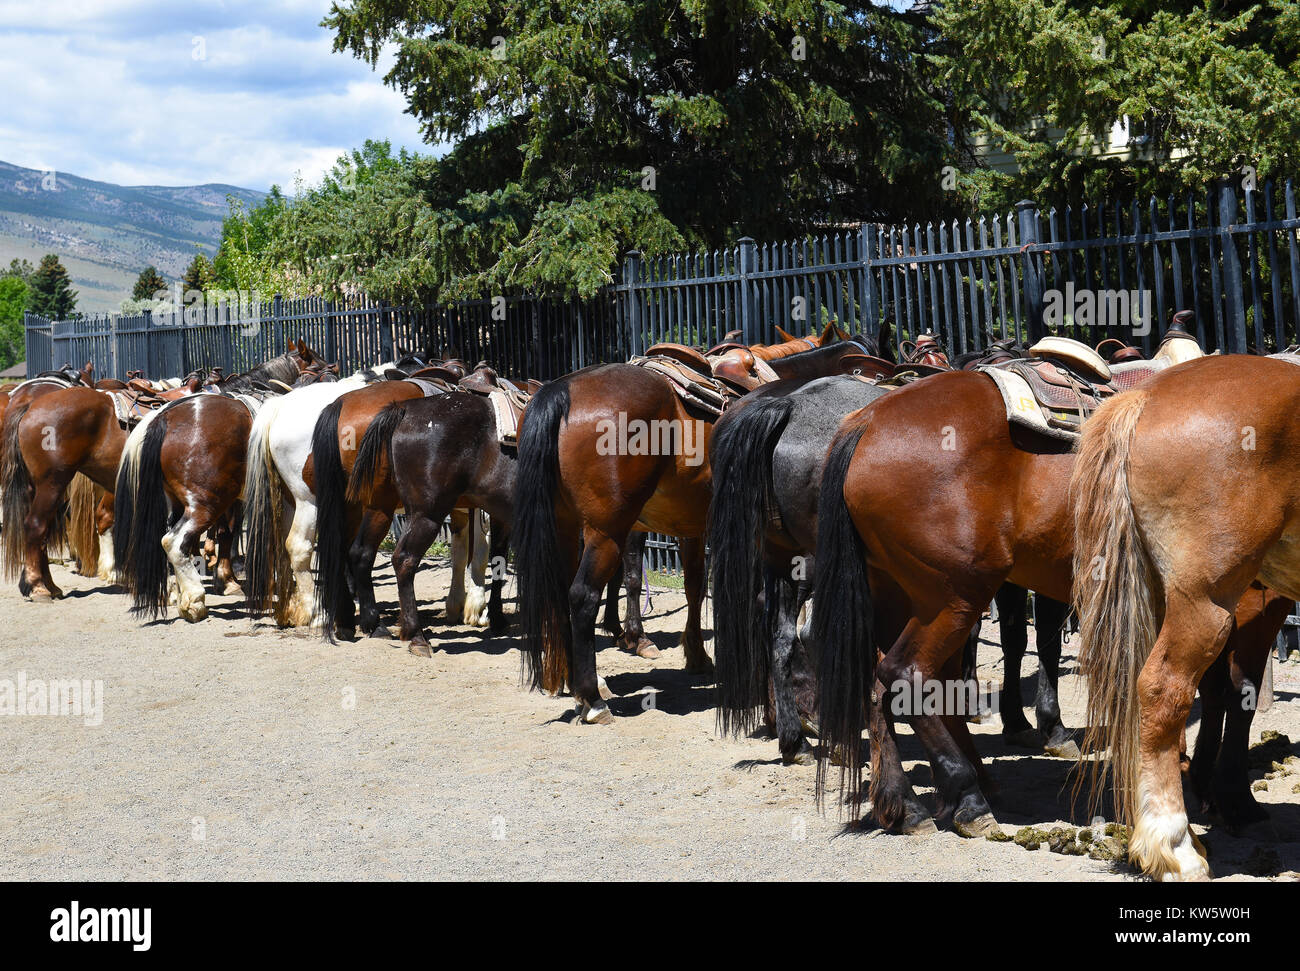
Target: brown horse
x,y
602,452
1186,493
181,475
930,501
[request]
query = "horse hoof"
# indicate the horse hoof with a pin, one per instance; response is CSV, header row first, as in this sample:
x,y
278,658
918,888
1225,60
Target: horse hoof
x,y
603,688
921,827
810,728
977,828
232,589
1024,738
381,633
597,714
1069,749
420,649
40,595
645,649
700,667
194,613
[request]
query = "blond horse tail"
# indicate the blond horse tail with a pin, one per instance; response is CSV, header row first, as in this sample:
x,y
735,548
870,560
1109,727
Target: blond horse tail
x,y
1115,590
82,535
266,561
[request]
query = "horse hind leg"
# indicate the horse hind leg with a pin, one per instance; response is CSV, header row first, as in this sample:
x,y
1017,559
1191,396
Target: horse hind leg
x,y
1194,631
299,543
181,544
632,638
459,560
785,628
478,592
600,560
1012,618
37,583
697,659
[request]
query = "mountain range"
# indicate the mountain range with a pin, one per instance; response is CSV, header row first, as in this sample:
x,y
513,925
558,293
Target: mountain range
x,y
106,234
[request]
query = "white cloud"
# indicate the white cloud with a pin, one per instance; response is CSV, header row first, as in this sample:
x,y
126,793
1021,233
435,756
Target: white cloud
x,y
139,93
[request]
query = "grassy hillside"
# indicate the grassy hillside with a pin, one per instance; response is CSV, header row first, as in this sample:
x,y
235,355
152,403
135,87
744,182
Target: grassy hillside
x,y
105,234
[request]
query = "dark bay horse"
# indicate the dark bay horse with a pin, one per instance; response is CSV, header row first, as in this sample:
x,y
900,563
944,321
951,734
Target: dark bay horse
x,y
605,451
442,453
352,523
181,475
930,502
1186,494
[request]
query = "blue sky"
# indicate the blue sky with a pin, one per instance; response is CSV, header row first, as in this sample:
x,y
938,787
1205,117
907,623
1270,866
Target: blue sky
x,y
179,93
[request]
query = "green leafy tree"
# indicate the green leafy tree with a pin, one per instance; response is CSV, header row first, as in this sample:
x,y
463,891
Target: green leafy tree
x,y
148,283
51,290
13,301
21,269
585,127
1208,88
256,247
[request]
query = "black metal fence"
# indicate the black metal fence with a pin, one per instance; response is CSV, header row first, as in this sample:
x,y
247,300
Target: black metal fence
x,y
1230,253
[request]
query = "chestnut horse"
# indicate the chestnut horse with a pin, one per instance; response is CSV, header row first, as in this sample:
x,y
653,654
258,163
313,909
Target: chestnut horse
x,y
181,474
581,492
930,501
1186,493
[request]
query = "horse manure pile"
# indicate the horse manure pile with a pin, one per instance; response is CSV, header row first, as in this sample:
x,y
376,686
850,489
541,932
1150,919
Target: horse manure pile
x,y
1273,756
1106,842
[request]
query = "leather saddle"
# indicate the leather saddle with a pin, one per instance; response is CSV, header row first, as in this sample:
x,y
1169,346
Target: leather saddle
x,y
508,399
925,355
1062,381
142,397
695,378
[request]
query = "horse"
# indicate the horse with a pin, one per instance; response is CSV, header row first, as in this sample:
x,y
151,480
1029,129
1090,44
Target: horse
x,y
1185,493
584,485
181,475
930,501
279,505
354,521
438,454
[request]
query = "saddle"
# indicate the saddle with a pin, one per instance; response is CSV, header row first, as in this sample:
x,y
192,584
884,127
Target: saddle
x,y
692,376
924,355
508,400
142,397
1061,383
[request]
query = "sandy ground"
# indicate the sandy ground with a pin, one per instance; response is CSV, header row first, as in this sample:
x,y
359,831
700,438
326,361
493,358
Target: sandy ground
x,y
231,750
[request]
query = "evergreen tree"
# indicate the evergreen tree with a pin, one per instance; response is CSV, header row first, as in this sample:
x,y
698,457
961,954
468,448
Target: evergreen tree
x,y
199,275
51,290
149,283
13,301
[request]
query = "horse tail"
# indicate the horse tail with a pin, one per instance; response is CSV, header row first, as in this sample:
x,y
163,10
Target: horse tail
x,y
140,518
372,452
740,454
82,536
265,559
332,538
841,622
16,497
1115,589
543,585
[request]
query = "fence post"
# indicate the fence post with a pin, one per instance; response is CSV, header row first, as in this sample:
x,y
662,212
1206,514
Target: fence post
x,y
748,305
868,315
1027,216
279,343
1235,331
632,305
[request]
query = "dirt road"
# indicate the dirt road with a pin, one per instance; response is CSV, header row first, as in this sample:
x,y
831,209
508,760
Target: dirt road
x,y
231,750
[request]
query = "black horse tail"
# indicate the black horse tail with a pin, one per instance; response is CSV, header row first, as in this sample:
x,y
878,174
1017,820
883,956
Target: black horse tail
x,y
543,585
372,453
841,623
140,519
16,498
332,539
740,454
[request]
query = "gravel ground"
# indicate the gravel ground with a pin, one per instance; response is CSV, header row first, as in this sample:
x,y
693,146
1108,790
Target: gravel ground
x,y
232,750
